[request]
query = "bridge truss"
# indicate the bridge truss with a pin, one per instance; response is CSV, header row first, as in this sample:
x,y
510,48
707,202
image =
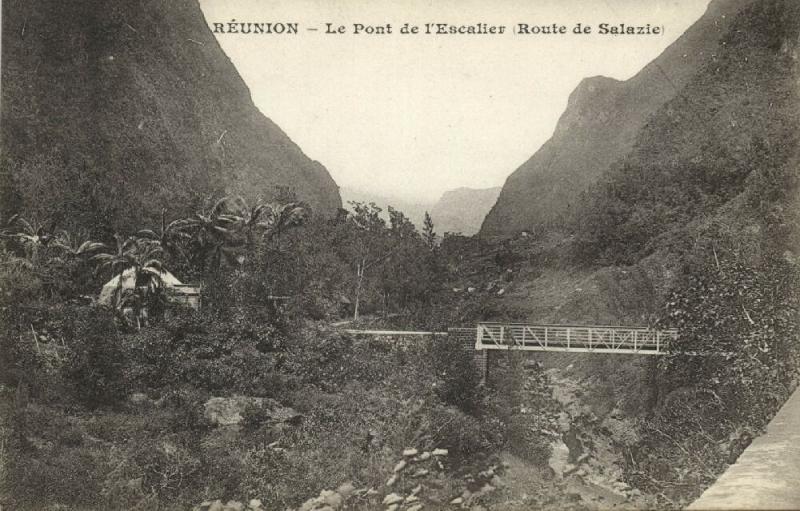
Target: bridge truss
x,y
573,338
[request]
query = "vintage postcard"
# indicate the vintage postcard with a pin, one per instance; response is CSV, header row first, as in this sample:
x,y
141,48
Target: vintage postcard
x,y
400,256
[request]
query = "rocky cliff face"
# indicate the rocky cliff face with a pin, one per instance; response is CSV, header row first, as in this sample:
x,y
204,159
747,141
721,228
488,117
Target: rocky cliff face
x,y
600,126
114,109
463,209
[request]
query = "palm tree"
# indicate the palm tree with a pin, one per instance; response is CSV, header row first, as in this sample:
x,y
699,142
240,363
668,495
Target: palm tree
x,y
170,236
143,256
7,230
73,247
118,258
285,216
214,233
250,216
32,235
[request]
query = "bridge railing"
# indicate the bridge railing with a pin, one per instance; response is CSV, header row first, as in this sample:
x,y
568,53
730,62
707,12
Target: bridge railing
x,y
576,338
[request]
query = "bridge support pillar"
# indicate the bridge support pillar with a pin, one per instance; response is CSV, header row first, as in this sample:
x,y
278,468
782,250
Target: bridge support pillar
x,y
466,337
482,361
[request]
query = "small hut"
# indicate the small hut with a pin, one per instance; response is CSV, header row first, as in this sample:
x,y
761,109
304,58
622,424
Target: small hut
x,y
177,292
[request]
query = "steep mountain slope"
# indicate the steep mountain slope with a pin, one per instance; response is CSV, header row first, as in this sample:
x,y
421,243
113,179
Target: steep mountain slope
x,y
711,178
112,110
724,151
599,126
463,209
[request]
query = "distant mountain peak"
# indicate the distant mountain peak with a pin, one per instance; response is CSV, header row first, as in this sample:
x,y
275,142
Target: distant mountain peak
x,y
599,127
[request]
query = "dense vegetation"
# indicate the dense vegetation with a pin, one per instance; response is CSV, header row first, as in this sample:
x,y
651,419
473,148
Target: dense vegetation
x,y
104,406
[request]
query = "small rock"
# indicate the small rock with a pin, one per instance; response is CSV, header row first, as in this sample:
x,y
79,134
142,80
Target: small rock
x,y
138,398
456,501
217,505
415,507
410,452
400,466
372,491
421,473
392,498
417,489
255,504
331,498
345,490
391,481
569,468
424,456
233,505
440,452
496,481
393,507
411,499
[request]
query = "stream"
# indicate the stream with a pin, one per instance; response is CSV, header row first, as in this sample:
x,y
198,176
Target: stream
x,y
585,470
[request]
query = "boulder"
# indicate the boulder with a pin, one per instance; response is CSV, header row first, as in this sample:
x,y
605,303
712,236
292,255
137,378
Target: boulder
x,y
228,411
345,490
139,398
392,498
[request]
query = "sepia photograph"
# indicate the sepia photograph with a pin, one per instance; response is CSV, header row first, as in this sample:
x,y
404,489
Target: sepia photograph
x,y
356,255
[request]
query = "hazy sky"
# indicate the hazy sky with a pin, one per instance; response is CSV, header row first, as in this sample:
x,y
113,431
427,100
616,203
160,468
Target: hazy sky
x,y
415,115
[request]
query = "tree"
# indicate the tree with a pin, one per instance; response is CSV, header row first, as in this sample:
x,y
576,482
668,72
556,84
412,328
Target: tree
x,y
170,237
73,247
286,216
143,256
428,233
32,235
366,245
214,235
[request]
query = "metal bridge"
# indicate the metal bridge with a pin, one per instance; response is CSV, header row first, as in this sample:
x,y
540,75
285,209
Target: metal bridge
x,y
565,338
573,338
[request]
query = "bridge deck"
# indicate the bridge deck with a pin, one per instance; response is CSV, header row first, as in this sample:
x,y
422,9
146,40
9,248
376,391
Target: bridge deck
x,y
573,338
